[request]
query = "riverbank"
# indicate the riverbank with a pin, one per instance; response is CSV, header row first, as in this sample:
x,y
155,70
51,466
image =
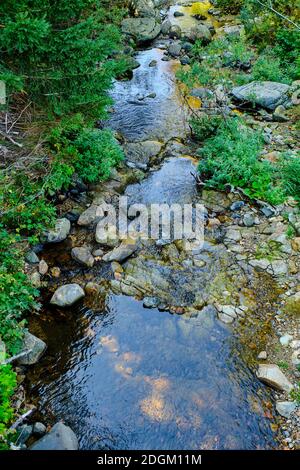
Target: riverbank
x,y
246,276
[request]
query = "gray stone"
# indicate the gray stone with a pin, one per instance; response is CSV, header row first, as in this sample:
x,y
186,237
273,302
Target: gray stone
x,y
279,267
107,236
274,377
97,253
35,346
151,302
35,279
165,27
177,14
39,429
142,152
142,29
121,252
67,295
199,32
174,49
267,211
296,357
248,220
234,30
286,408
43,267
60,232
31,257
89,216
237,206
262,355
144,8
225,318
61,437
83,255
268,95
175,32
279,114
285,339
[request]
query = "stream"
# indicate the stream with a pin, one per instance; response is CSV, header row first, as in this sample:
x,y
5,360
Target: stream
x,y
123,376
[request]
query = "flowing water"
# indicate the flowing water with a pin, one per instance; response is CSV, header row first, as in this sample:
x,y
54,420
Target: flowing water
x,y
125,377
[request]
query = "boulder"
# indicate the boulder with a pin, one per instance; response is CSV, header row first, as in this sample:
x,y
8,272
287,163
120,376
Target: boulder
x,y
106,236
141,29
60,232
67,295
82,254
144,8
142,152
271,375
39,429
286,408
121,252
89,216
174,49
36,347
268,95
200,32
61,437
165,27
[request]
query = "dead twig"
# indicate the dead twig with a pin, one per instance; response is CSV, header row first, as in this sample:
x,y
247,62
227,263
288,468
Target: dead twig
x,y
8,137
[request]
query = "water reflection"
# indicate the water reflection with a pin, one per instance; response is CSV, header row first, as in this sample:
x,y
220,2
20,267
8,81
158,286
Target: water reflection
x,y
147,107
149,380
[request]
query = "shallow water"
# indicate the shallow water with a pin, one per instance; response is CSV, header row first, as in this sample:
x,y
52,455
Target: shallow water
x,y
132,378
172,183
139,117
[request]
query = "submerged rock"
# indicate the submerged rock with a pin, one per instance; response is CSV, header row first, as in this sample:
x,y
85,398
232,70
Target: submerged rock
x,y
60,232
142,152
61,437
271,375
268,95
36,347
31,257
67,295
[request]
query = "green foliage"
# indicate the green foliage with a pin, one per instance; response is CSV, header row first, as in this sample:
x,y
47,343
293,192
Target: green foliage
x,y
230,6
8,383
269,67
290,175
283,365
16,293
232,157
295,393
90,152
205,126
61,52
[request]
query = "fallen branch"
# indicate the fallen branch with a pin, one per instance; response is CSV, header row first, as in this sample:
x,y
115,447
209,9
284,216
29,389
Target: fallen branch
x,y
22,418
8,137
18,356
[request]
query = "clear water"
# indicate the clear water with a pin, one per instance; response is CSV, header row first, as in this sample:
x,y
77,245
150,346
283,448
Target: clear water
x,y
133,378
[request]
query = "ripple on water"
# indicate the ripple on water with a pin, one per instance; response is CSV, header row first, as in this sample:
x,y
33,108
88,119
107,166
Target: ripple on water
x,y
149,380
140,117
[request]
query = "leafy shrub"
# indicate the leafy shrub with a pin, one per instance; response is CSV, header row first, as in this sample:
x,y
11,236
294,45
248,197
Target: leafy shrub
x,y
8,383
16,293
90,152
61,52
269,67
290,175
205,126
230,6
232,157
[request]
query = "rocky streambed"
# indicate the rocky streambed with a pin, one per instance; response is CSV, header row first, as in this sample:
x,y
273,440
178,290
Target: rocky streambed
x,y
151,345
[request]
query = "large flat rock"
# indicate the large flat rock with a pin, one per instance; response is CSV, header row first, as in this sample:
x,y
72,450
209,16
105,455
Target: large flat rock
x,y
142,29
271,375
268,95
